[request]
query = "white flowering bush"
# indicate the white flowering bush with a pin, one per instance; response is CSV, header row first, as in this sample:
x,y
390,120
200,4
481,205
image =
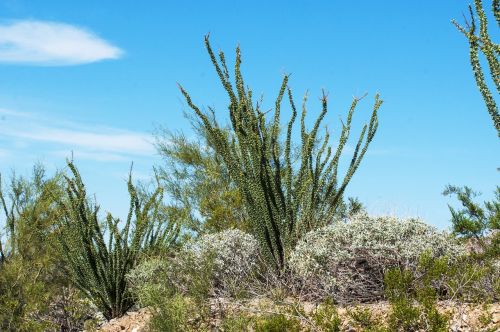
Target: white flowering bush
x,y
212,264
347,259
148,279
232,254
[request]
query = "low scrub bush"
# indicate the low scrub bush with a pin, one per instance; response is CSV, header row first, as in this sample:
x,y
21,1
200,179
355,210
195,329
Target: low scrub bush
x,y
278,322
347,260
236,323
365,320
176,292
176,313
232,254
178,286
326,317
478,227
413,296
34,290
214,264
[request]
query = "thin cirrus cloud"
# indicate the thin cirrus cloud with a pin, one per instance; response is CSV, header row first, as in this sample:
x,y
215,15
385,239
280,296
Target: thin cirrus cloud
x,y
52,43
56,136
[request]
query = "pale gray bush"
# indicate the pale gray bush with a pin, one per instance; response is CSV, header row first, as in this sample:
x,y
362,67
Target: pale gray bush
x,y
347,259
213,264
232,253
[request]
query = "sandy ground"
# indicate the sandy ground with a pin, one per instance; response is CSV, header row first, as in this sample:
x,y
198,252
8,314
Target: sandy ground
x,y
465,317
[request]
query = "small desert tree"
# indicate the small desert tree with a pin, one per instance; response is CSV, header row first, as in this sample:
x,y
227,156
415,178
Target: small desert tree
x,y
285,194
482,43
197,181
31,272
98,267
476,221
29,210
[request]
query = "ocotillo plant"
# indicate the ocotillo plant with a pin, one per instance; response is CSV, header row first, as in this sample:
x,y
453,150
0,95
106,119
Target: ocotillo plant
x,y
98,267
481,42
285,194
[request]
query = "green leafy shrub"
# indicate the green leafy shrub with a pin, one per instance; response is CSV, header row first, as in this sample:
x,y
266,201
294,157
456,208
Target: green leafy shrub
x,y
176,288
326,318
347,260
413,296
278,322
33,282
149,279
203,195
283,199
478,226
98,267
236,323
30,211
23,297
175,313
176,291
364,319
476,223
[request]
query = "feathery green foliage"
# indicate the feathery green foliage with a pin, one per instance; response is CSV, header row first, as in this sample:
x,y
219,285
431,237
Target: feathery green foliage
x,y
284,195
482,42
98,268
413,297
195,178
29,210
31,271
476,222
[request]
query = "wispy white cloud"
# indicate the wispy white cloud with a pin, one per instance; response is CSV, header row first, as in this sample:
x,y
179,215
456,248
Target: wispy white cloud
x,y
52,43
87,155
60,137
115,141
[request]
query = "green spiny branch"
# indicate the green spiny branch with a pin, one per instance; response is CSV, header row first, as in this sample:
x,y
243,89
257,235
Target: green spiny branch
x,y
98,267
481,42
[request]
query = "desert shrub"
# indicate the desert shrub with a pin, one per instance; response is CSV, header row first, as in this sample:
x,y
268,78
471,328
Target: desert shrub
x,y
347,260
29,210
286,191
98,267
175,313
176,292
202,194
32,274
236,323
365,320
148,278
470,280
23,297
413,296
277,322
176,286
33,298
478,227
214,264
326,317
233,255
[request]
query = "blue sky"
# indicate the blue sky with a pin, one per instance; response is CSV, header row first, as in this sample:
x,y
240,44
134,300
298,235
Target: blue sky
x,y
97,77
